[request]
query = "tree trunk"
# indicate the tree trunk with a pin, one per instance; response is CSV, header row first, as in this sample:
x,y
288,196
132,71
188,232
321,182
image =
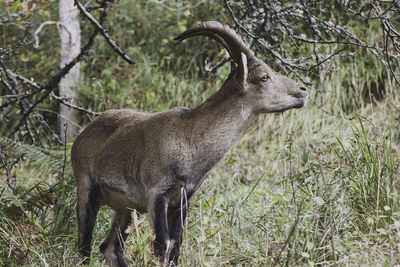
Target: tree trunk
x,y
70,35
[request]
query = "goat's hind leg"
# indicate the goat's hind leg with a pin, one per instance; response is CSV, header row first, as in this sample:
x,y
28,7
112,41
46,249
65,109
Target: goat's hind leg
x,y
87,208
113,247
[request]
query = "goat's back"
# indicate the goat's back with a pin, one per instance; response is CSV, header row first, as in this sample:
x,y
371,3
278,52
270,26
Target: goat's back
x,y
93,138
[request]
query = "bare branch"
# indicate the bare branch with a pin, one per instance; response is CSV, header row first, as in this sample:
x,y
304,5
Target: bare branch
x,y
269,25
14,96
39,29
287,240
212,69
65,101
103,32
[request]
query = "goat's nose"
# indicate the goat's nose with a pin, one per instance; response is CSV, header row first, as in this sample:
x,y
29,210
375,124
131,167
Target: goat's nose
x,y
303,88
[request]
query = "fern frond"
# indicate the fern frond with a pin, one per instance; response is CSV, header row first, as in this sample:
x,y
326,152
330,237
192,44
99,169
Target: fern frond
x,y
52,158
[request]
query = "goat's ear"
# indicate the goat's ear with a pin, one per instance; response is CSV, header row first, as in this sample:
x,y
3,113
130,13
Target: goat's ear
x,y
241,73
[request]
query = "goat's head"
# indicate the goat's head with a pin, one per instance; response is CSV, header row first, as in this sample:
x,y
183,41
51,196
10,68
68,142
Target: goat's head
x,y
265,90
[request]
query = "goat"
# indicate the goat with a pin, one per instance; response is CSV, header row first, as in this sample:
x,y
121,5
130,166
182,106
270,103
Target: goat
x,y
128,160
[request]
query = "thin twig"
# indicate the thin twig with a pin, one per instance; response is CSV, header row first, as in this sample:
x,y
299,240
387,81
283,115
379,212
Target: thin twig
x,y
14,96
285,244
65,101
212,69
386,37
10,176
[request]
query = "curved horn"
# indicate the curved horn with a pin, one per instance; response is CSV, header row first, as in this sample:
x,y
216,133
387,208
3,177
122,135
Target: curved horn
x,y
224,35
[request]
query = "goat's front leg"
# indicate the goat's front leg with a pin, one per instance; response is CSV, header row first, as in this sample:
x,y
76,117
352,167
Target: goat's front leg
x,y
176,220
158,215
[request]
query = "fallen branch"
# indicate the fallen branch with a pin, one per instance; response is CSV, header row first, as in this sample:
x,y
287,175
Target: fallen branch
x,y
285,244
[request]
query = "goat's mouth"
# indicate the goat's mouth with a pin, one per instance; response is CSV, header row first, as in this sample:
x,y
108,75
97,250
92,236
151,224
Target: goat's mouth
x,y
298,103
301,102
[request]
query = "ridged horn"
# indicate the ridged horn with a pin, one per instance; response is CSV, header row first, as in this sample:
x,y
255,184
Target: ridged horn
x,y
223,34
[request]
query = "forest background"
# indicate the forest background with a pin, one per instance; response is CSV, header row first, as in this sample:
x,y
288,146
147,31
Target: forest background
x,y
315,186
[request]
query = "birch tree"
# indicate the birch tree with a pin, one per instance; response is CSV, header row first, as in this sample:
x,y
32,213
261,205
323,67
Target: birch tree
x,y
70,35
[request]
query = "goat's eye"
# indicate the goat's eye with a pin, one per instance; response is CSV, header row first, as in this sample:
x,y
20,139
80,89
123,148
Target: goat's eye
x,y
265,78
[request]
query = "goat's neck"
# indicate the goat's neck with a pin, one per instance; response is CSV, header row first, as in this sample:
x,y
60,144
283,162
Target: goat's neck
x,y
217,125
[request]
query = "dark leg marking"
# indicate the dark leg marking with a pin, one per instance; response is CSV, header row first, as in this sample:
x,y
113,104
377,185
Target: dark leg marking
x,y
175,220
86,221
160,227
